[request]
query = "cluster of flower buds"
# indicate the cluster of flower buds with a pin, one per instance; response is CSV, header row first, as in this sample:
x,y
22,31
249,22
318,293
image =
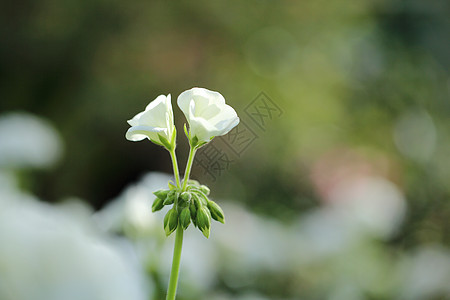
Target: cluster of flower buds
x,y
192,204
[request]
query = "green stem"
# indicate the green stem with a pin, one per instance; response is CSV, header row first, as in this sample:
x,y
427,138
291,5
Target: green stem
x,y
173,156
172,290
192,151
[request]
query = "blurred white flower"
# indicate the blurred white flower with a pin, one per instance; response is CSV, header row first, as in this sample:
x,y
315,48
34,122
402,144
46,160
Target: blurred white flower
x,y
27,141
47,254
131,210
375,204
207,114
157,119
425,274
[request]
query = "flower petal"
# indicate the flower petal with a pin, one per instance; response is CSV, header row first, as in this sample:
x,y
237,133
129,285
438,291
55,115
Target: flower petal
x,y
138,133
201,96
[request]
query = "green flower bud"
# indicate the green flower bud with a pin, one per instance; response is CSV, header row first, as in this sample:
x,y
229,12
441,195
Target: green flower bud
x,y
185,218
205,190
193,182
170,221
193,210
157,204
202,197
193,141
161,194
204,221
216,212
186,196
171,196
196,201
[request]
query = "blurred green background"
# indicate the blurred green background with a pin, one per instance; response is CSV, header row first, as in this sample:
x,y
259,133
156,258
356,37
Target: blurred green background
x,y
364,91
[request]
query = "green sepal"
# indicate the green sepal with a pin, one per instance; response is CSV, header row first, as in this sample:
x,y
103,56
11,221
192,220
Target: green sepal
x,y
172,186
186,131
216,212
193,210
170,221
155,142
157,204
165,142
194,141
204,221
174,136
185,218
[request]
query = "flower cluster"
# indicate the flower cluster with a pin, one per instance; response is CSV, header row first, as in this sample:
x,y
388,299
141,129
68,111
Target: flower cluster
x,y
206,112
191,205
208,116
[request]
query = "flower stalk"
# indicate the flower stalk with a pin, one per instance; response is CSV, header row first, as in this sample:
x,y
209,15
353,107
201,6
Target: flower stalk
x,y
208,116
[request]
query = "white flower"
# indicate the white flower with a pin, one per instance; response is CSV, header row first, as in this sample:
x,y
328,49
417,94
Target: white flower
x,y
207,114
155,122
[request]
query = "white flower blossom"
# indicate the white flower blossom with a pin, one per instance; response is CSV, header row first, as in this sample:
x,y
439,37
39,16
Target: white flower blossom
x,y
153,123
207,114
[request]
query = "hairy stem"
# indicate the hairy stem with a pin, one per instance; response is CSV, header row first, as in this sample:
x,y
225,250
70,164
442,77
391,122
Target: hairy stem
x,y
173,282
189,166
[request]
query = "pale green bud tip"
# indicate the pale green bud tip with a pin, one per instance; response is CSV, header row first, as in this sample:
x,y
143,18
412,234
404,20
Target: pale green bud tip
x,y
185,218
157,204
205,190
193,182
170,221
216,212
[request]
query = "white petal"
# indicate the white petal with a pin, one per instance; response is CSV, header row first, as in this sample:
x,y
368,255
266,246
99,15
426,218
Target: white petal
x,y
226,113
161,99
202,129
198,126
138,133
201,96
135,120
226,127
155,116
